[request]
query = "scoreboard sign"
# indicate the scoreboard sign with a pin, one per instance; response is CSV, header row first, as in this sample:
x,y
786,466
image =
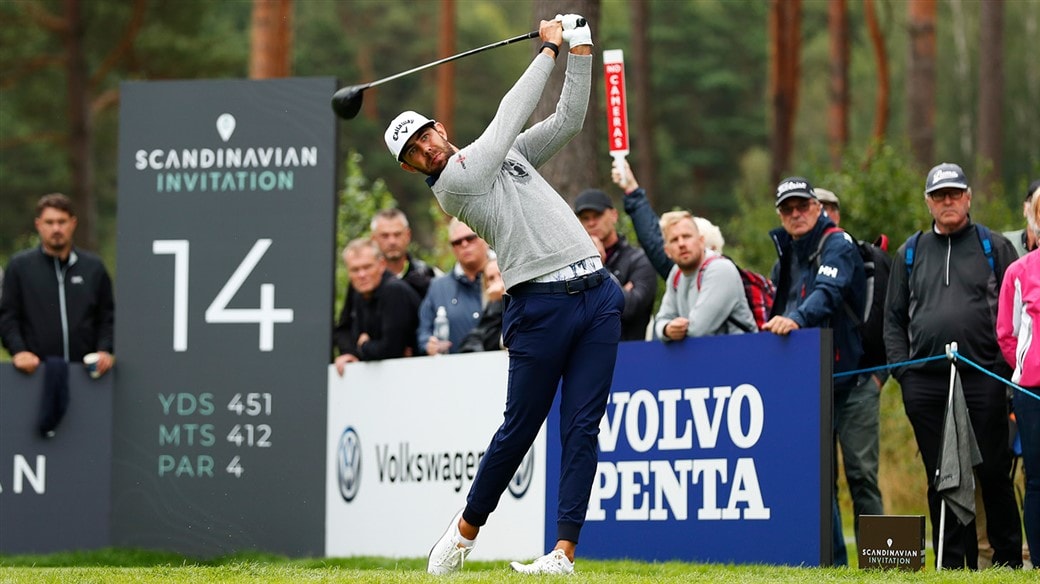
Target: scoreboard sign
x,y
225,262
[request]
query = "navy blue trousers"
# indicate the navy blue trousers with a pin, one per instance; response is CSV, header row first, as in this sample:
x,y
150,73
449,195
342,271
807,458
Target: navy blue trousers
x,y
550,337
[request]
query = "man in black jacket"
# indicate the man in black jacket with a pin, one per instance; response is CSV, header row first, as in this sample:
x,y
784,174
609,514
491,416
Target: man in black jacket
x,y
379,320
391,233
629,264
946,290
57,299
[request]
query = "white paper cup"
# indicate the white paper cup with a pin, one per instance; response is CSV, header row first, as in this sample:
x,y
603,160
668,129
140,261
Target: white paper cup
x,y
90,361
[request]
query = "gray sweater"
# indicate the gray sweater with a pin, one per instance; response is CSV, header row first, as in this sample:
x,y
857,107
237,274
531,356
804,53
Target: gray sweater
x,y
717,307
493,186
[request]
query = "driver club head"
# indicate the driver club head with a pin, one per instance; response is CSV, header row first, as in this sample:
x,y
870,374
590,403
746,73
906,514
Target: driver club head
x,y
347,101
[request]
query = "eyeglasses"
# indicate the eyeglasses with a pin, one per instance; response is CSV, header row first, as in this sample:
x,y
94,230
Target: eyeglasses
x,y
951,194
464,239
801,207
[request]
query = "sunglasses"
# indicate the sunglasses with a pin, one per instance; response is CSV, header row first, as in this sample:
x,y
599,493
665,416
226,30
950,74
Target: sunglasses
x,y
938,196
801,207
465,239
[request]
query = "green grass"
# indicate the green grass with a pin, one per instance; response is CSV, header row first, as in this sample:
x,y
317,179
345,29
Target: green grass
x,y
134,566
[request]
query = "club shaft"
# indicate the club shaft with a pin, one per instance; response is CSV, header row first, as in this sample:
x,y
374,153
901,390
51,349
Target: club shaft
x,y
525,36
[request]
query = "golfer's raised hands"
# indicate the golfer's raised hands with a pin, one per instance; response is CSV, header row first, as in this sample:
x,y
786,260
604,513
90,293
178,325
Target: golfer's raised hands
x,y
576,29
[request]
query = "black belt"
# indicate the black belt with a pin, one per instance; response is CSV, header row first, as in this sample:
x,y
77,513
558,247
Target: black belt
x,y
572,286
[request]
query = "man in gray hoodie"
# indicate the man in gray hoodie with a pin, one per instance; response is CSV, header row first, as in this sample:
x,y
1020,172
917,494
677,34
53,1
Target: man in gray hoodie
x,y
563,314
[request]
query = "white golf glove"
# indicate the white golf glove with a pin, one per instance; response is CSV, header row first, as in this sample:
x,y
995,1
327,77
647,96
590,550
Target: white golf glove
x,y
575,34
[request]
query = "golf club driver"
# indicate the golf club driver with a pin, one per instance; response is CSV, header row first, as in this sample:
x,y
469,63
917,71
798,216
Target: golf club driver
x,y
347,101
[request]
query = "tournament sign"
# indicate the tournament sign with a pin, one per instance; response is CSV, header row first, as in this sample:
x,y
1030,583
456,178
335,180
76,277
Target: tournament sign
x,y
223,330
720,452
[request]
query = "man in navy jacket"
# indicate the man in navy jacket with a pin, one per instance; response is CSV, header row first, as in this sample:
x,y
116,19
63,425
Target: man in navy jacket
x,y
820,280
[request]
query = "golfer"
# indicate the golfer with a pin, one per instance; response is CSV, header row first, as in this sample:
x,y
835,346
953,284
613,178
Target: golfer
x,y
563,312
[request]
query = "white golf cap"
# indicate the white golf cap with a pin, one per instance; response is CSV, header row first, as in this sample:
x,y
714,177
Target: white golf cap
x,y
404,126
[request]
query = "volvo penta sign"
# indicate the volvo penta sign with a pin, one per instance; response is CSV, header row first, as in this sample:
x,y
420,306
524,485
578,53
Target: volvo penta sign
x,y
703,458
227,201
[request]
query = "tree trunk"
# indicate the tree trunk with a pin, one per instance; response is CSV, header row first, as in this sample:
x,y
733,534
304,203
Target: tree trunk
x,y
962,77
921,75
578,165
785,38
838,22
444,111
881,101
643,124
991,88
270,54
80,130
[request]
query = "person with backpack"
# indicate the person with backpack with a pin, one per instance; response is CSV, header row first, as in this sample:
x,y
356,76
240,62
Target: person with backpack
x,y
703,296
948,292
758,290
825,286
858,412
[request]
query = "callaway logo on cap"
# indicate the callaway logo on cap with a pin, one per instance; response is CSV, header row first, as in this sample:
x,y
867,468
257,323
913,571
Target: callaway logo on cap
x,y
403,127
945,176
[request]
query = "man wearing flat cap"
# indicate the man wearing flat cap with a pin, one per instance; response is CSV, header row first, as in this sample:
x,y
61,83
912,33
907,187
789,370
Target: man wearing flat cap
x,y
948,292
629,264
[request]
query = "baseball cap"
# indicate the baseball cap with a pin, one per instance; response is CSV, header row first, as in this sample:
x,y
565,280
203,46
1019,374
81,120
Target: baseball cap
x,y
794,186
403,127
593,199
826,196
945,176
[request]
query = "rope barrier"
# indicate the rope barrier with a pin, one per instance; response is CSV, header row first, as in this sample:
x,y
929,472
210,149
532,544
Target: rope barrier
x,y
955,355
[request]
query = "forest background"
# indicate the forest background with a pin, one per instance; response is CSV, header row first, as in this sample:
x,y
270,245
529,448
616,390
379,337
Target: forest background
x,y
725,97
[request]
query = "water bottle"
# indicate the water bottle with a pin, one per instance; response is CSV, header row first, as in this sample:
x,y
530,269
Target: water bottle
x,y
441,329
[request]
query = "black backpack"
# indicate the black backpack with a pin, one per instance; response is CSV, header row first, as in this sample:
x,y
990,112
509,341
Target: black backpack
x,y
877,266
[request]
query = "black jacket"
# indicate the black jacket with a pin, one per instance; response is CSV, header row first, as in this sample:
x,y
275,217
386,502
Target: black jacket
x,y
950,295
630,264
31,306
390,317
487,335
418,275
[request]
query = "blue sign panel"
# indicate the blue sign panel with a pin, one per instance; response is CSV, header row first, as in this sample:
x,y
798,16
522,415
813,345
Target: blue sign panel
x,y
719,452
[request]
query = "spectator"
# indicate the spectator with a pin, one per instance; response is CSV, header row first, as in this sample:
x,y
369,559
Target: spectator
x,y
1025,240
562,321
67,316
628,264
947,294
858,417
830,204
1018,318
391,233
378,321
646,222
819,278
458,292
487,335
711,233
703,294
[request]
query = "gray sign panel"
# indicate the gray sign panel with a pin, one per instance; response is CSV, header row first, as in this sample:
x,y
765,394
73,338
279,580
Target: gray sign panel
x,y
54,493
224,300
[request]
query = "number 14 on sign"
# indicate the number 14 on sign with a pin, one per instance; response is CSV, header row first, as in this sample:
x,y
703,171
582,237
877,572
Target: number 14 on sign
x,y
218,312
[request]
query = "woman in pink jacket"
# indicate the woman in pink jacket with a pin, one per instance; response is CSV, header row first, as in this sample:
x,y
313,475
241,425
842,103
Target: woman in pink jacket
x,y
1018,328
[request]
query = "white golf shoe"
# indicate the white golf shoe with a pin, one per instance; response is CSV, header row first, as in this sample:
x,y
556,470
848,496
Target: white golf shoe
x,y
554,562
449,553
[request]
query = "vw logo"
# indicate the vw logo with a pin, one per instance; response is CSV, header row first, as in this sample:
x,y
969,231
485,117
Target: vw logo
x,y
348,464
521,480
